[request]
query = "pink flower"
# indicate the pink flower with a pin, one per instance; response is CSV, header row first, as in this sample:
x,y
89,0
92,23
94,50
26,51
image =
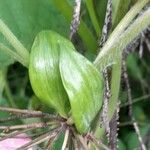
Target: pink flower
x,y
15,142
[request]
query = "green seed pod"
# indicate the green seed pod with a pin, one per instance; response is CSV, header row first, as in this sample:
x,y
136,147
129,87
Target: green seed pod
x,y
44,72
83,84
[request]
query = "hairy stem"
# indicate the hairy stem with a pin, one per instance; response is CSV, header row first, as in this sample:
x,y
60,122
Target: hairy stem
x,y
84,32
110,55
75,19
119,29
112,51
115,86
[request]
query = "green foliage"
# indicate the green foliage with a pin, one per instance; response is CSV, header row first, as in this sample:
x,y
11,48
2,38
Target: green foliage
x,y
90,7
5,59
2,81
100,9
59,142
88,38
26,18
134,67
120,8
132,139
44,71
121,145
84,86
76,79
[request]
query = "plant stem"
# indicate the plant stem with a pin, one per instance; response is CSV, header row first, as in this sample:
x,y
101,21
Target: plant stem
x,y
115,87
83,141
126,21
12,39
145,97
110,54
65,140
119,29
112,51
120,8
86,35
90,7
10,99
13,54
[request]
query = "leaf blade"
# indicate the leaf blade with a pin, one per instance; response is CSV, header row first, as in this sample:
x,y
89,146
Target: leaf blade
x,y
83,85
44,72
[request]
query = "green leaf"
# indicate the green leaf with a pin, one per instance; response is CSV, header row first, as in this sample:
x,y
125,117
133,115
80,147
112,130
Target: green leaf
x,y
26,18
77,77
36,104
59,142
120,8
9,56
133,67
132,140
139,114
5,60
2,80
92,14
83,84
100,7
44,72
121,145
3,102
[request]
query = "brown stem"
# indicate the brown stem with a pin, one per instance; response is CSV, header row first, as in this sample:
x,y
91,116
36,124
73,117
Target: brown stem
x,y
27,126
41,139
15,133
96,141
76,18
31,113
